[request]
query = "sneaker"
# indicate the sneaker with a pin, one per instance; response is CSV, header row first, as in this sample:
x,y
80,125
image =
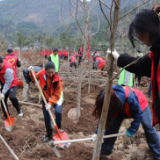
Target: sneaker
x,y
105,156
32,98
25,101
20,113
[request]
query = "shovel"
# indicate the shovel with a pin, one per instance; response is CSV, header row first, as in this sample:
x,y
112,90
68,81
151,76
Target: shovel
x,y
9,121
59,136
10,150
85,139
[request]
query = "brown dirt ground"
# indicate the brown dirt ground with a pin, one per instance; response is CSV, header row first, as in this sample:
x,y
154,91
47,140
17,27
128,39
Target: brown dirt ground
x,y
26,137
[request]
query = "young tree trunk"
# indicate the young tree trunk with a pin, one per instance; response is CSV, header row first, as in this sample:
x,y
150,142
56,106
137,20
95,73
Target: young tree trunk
x,y
89,85
81,71
96,153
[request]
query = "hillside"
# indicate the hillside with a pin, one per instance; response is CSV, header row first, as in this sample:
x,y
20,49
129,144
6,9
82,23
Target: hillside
x,y
33,16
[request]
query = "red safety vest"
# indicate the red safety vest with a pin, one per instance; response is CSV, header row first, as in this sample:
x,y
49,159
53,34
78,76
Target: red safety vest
x,y
94,54
72,59
153,57
81,51
12,59
3,71
101,62
65,54
43,80
141,99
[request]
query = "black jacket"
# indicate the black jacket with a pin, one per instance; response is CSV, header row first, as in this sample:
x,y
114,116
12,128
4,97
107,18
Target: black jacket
x,y
26,73
143,68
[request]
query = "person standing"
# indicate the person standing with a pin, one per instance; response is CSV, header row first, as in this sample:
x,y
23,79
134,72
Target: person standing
x,y
9,84
126,78
80,52
13,60
55,59
52,88
26,79
146,27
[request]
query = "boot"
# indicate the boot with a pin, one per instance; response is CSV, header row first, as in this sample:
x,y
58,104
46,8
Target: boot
x,y
48,136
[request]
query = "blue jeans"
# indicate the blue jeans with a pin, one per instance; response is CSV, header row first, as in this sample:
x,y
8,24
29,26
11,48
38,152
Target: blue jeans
x,y
47,119
151,134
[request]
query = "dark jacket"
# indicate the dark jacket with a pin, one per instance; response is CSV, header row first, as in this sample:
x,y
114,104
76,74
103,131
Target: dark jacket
x,y
26,73
143,68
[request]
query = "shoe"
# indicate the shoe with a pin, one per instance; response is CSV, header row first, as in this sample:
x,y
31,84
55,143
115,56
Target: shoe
x,y
25,101
20,113
32,98
105,156
48,136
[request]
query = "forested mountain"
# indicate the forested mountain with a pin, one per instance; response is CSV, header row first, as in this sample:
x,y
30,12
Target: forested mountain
x,y
33,16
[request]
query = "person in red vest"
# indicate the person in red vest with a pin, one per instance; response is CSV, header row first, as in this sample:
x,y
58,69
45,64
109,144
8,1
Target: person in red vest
x,y
80,52
65,55
145,26
13,60
51,85
9,84
126,103
100,63
73,62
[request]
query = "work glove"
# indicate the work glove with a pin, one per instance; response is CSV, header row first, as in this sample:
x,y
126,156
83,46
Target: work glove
x,y
129,134
94,137
115,54
48,107
1,96
30,68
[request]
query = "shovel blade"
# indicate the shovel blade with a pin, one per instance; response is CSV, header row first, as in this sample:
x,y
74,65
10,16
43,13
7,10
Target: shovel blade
x,y
9,124
63,136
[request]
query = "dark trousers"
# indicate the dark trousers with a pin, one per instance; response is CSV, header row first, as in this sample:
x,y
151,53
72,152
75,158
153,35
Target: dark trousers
x,y
47,119
65,58
12,96
149,90
80,59
139,79
73,64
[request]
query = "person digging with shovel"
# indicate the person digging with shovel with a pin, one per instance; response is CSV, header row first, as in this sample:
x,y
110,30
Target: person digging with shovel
x,y
9,84
52,88
126,103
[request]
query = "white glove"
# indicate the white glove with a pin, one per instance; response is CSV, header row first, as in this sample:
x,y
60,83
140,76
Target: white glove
x,y
115,54
2,96
48,107
30,68
94,137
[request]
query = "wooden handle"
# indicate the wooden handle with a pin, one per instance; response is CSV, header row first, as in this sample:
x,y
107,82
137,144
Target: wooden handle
x,y
49,111
4,105
85,139
10,150
27,103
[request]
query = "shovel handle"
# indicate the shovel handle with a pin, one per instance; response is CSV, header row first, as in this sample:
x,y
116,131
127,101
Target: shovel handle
x,y
10,150
85,139
49,111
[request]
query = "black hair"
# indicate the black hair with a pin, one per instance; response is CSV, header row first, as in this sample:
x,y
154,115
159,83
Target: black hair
x,y
49,65
113,106
55,49
1,59
82,44
9,50
145,21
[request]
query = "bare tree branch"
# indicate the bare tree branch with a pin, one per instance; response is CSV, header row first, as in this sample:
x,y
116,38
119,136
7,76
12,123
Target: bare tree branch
x,y
104,13
105,4
7,30
134,9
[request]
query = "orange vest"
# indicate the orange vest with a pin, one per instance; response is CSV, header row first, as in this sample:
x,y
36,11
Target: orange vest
x,y
12,59
141,99
3,71
43,79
